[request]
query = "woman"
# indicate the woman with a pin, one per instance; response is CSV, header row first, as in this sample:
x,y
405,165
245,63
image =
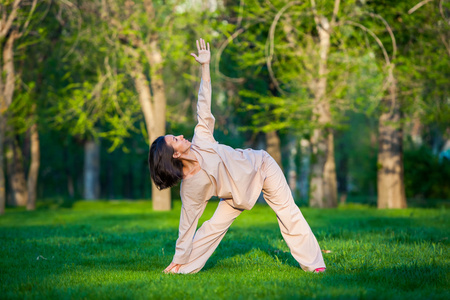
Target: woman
x,y
207,168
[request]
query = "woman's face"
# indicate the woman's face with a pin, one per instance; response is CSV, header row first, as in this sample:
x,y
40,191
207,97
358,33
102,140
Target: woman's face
x,y
179,144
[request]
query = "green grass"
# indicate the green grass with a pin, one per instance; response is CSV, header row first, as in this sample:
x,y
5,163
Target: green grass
x,y
116,250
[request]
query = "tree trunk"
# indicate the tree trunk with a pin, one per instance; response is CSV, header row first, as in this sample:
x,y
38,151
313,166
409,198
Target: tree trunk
x,y
273,146
154,111
34,167
323,171
6,95
68,172
160,199
16,173
330,178
91,170
416,131
292,169
305,168
342,175
391,189
2,163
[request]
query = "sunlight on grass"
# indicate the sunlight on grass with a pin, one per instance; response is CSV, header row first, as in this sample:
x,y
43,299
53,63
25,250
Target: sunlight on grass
x,y
118,250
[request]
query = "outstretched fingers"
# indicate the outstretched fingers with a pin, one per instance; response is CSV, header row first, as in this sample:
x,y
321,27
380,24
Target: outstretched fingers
x,y
208,47
198,46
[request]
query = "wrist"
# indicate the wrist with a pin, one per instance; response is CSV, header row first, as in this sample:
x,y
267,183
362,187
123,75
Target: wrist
x,y
205,64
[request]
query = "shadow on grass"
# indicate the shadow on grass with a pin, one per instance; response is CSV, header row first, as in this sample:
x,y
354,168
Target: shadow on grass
x,y
86,243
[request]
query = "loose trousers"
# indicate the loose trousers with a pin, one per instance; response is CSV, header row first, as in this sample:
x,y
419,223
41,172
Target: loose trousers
x,y
293,226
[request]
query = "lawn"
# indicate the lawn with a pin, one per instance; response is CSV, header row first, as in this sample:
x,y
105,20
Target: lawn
x,y
116,250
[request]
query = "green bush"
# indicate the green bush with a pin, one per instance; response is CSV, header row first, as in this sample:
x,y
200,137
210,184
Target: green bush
x,y
425,176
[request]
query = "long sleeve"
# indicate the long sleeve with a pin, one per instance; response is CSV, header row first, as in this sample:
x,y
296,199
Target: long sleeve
x,y
194,197
206,120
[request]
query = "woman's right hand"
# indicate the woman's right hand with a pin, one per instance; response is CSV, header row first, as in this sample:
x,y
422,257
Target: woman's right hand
x,y
204,55
172,268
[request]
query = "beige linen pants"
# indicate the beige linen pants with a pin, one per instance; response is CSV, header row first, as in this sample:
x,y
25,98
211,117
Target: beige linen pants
x,y
294,228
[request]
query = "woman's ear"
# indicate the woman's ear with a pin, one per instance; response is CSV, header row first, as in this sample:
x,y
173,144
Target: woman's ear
x,y
176,154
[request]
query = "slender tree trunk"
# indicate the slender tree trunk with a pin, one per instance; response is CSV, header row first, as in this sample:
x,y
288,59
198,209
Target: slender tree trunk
x,y
110,177
6,95
2,163
391,188
91,170
323,176
273,146
292,173
416,131
160,199
67,167
16,173
342,175
34,167
329,174
305,168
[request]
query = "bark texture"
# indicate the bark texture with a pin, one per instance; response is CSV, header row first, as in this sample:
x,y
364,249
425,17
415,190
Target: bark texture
x,y
16,173
2,173
33,172
91,170
7,77
329,175
323,167
151,96
391,188
273,146
161,199
10,24
305,168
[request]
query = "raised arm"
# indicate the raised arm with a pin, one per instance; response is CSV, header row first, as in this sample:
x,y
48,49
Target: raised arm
x,y
206,120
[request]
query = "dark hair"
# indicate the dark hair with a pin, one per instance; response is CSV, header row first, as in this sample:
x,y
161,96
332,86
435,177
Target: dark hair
x,y
165,170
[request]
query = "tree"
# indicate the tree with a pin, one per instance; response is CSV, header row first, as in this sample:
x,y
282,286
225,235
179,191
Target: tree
x,y
16,16
88,96
307,58
137,30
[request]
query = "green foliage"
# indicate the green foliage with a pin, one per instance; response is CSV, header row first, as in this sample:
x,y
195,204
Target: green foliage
x,y
425,176
74,80
119,249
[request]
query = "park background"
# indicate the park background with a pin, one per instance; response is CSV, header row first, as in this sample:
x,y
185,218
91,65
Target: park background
x,y
350,97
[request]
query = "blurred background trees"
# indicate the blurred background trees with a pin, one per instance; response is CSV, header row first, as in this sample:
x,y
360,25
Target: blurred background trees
x,y
351,98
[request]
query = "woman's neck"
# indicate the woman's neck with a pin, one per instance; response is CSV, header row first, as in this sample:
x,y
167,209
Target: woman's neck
x,y
190,163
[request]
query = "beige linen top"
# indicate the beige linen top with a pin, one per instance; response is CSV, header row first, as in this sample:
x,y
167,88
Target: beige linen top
x,y
232,174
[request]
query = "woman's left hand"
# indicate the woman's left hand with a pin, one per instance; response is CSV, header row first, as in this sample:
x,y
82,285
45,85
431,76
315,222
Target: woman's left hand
x,y
204,54
172,268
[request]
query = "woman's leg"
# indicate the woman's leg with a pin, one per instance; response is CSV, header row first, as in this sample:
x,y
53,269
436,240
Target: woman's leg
x,y
208,237
294,228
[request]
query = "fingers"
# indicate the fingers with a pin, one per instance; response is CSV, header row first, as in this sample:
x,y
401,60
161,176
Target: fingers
x,y
170,267
176,268
201,46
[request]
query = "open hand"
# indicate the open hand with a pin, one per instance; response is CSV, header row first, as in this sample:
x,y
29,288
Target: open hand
x,y
204,55
172,268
